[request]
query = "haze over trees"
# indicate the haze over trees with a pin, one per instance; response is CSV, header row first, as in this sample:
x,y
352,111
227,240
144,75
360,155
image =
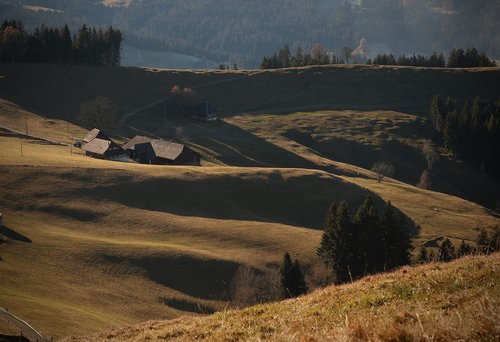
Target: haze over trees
x,y
240,29
57,45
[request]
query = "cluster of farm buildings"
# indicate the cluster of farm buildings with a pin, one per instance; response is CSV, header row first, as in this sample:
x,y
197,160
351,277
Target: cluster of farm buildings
x,y
140,149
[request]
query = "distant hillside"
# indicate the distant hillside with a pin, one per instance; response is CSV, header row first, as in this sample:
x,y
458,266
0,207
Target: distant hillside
x,y
360,120
242,31
56,91
456,301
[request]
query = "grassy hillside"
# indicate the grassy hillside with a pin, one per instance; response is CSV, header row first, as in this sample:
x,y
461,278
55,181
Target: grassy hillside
x,y
93,244
456,301
56,91
174,235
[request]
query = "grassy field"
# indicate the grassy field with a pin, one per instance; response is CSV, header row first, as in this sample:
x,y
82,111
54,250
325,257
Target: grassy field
x,y
94,244
443,302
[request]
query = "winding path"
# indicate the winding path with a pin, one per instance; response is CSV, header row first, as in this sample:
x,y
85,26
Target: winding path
x,y
23,326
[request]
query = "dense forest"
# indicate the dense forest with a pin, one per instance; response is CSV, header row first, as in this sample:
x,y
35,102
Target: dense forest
x,y
470,131
244,31
56,45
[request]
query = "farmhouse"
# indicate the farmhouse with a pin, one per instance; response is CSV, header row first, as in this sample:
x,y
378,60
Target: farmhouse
x,y
205,111
95,133
153,151
104,149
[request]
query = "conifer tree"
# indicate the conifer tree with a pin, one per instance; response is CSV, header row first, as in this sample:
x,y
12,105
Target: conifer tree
x,y
396,239
286,269
292,283
464,249
423,256
370,238
446,251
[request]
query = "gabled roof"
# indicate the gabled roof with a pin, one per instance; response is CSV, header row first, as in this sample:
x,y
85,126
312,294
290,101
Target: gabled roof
x,y
138,139
95,133
161,149
98,146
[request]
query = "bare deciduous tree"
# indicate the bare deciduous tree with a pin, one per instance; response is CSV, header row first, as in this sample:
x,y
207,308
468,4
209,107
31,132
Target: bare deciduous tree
x,y
425,181
250,288
99,113
430,153
383,169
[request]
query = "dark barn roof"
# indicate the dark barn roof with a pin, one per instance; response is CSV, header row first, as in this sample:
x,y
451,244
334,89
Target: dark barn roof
x,y
160,149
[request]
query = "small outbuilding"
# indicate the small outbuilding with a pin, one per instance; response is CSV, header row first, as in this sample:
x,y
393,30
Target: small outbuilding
x,y
205,111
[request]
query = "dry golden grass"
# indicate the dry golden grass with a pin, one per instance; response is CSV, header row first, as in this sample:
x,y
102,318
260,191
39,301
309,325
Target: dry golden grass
x,y
14,117
119,243
96,225
439,302
349,142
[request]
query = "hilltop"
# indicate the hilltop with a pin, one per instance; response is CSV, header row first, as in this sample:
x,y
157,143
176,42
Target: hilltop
x,y
456,301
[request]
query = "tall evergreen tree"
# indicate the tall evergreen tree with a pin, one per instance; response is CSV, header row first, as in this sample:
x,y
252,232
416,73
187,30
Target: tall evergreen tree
x,y
397,241
464,249
446,251
370,238
292,283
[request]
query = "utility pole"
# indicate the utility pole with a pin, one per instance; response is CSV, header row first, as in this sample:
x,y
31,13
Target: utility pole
x,y
21,149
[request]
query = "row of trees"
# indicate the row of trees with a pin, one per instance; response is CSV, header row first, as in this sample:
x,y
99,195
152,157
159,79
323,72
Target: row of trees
x,y
285,59
57,45
485,244
471,131
364,244
458,58
434,61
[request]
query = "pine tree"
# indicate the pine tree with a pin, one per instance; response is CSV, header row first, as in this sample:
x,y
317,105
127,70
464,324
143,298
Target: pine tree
x,y
371,239
446,251
482,242
396,239
423,256
299,286
437,113
292,283
325,249
286,269
464,249
345,247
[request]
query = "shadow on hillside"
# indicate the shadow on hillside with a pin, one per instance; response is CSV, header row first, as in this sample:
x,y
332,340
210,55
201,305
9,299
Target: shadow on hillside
x,y
184,305
219,140
364,155
13,235
80,214
200,278
299,200
13,338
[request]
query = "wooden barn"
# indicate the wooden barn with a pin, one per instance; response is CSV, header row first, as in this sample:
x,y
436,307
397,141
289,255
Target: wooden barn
x,y
95,133
164,153
130,145
104,149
